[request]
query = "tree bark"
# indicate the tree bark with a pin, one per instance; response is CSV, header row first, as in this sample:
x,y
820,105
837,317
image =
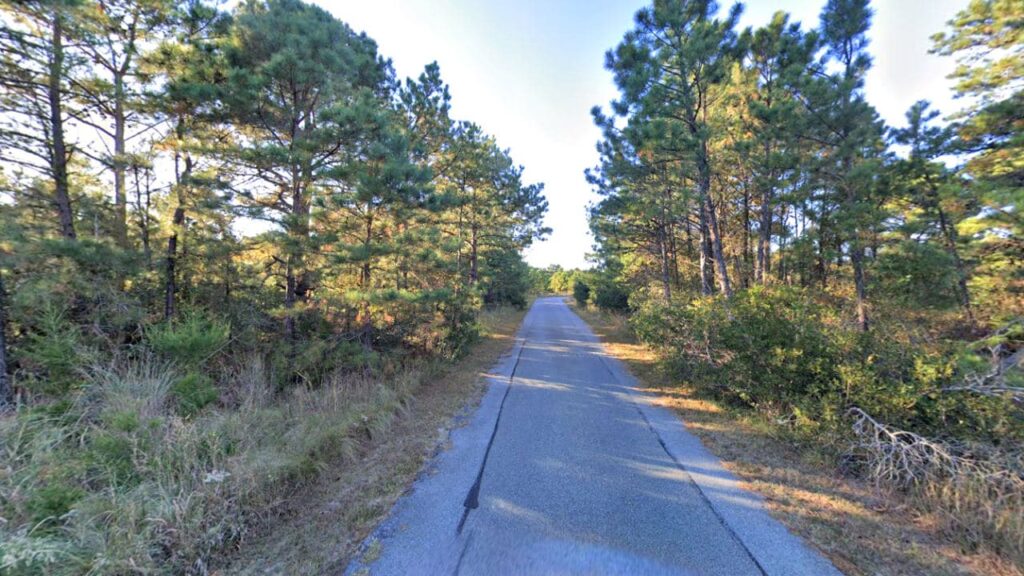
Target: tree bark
x,y
118,164
474,271
143,200
822,262
963,293
177,223
714,236
706,284
764,235
6,395
745,275
666,282
299,231
59,155
857,259
365,276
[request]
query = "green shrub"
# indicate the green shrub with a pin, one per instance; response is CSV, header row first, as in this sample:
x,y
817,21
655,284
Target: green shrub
x,y
54,352
581,292
193,392
190,341
916,274
47,504
774,349
778,353
113,455
609,295
766,348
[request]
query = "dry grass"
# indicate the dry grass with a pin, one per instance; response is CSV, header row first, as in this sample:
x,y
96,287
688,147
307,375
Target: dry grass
x,y
318,530
862,532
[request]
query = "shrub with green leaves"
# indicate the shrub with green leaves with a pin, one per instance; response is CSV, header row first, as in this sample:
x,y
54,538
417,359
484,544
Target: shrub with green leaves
x,y
776,350
916,274
54,352
191,341
765,347
609,295
193,392
581,292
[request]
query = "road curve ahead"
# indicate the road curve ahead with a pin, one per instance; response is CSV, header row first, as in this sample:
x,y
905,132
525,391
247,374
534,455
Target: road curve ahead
x,y
565,468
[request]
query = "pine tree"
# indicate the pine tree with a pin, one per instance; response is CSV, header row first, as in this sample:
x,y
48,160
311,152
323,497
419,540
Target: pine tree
x,y
987,40
191,64
112,35
669,69
34,72
849,131
934,189
779,55
300,87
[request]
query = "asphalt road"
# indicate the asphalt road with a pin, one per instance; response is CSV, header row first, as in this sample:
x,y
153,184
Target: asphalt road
x,y
566,469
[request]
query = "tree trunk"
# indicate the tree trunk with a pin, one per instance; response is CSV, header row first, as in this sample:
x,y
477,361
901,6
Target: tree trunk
x,y
58,155
666,283
170,269
6,396
745,276
120,197
781,270
764,237
289,304
706,286
474,271
722,272
143,201
857,259
949,235
822,263
299,231
177,223
365,276
707,272
716,247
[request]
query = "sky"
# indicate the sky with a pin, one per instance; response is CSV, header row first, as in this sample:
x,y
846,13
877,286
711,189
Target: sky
x,y
529,71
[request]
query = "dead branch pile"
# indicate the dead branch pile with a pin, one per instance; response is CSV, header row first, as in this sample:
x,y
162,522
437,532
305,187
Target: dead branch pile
x,y
978,491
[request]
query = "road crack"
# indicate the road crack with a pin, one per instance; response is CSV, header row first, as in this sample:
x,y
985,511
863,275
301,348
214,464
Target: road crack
x,y
472,500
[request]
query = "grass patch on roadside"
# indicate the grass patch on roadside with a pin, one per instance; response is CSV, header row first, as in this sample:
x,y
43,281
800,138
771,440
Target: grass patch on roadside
x,y
861,531
321,526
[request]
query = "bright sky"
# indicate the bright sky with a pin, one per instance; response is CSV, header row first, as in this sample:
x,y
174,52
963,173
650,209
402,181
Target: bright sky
x,y
528,71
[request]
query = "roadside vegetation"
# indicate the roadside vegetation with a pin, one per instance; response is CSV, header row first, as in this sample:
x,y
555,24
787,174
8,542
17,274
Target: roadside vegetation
x,y
851,287
320,529
234,248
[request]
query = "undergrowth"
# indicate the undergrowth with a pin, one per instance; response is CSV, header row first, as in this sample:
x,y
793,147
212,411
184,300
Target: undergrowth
x,y
922,418
151,464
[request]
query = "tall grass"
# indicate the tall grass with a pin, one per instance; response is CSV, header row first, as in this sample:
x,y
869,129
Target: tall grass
x,y
118,481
